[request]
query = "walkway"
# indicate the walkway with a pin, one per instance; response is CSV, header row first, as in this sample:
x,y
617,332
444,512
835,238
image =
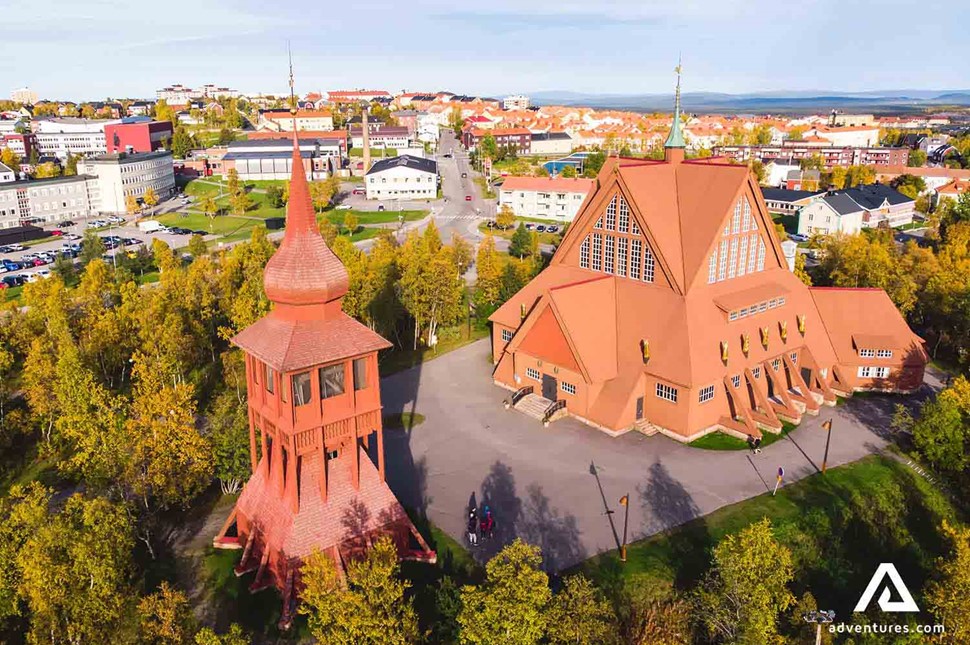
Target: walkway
x,y
553,486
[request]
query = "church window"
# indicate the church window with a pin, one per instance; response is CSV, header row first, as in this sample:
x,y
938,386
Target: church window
x,y
732,259
752,252
742,256
597,252
736,220
706,394
761,255
667,392
624,216
360,373
634,227
301,389
584,253
647,265
599,223
609,254
636,251
331,381
621,249
712,267
736,381
722,261
611,215
506,335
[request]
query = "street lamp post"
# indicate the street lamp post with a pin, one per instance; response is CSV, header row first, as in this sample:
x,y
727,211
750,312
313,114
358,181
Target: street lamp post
x,y
828,439
625,503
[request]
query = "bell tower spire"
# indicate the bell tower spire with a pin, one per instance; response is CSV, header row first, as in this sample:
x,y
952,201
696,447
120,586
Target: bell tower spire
x,y
674,147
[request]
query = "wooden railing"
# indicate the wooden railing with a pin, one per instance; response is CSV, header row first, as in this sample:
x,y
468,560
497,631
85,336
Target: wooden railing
x,y
554,407
520,394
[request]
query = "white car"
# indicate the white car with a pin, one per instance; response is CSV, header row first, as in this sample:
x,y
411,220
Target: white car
x,y
344,207
43,273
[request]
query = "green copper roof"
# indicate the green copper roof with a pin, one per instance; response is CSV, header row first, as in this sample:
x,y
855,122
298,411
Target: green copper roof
x,y
676,137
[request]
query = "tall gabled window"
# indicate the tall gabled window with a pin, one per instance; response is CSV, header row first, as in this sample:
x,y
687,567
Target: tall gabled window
x,y
712,267
647,264
584,253
270,379
736,220
621,250
732,259
597,252
761,255
610,254
636,256
722,259
624,224
752,252
742,256
634,227
611,215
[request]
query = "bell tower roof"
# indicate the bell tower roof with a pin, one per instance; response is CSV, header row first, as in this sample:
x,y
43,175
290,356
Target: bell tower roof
x,y
676,137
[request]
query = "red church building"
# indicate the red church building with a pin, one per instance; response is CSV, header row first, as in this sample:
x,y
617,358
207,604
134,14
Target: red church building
x,y
314,408
670,307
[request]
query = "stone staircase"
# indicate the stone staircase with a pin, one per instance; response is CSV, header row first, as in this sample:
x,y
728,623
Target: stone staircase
x,y
533,405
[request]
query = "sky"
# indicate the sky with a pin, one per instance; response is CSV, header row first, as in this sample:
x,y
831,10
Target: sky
x,y
92,49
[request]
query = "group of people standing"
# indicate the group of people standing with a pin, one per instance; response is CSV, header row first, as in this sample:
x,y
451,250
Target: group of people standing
x,y
480,527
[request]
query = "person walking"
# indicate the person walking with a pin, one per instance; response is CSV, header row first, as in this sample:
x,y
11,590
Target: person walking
x,y
473,527
488,524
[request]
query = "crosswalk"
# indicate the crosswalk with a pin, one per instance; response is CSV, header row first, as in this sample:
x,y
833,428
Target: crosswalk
x,y
464,215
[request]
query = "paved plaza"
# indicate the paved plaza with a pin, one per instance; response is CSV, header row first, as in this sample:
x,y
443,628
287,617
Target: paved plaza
x,y
553,486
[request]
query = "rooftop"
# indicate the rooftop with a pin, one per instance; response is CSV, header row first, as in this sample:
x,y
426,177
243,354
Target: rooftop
x,y
404,161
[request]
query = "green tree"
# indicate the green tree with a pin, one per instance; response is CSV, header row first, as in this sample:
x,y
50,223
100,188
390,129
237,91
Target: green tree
x,y
150,197
488,147
235,636
942,432
321,193
163,112
233,186
240,202
489,269
796,134
505,217
373,607
24,510
430,291
10,159
909,185
760,135
569,172
813,162
197,246
593,163
165,617
226,136
70,168
76,570
917,159
131,204
521,243
228,430
350,223
514,276
47,169
274,195
758,170
510,606
947,595
182,143
92,247
580,615
741,598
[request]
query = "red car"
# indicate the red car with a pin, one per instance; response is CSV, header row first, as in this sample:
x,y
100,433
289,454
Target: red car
x,y
57,231
39,262
468,198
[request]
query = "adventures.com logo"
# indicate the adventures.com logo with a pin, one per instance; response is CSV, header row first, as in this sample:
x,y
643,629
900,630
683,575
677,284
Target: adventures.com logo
x,y
894,599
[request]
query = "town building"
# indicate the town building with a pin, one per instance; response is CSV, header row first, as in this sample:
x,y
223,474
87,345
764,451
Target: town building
x,y
314,410
381,136
63,136
7,175
551,144
137,134
271,158
840,120
117,176
22,143
518,140
798,179
402,177
516,102
952,190
934,176
557,199
179,94
699,325
356,96
282,120
24,95
44,201
853,209
792,152
851,136
140,108
782,201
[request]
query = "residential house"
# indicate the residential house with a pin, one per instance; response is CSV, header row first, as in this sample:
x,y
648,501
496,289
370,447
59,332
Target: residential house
x,y
402,177
557,199
853,209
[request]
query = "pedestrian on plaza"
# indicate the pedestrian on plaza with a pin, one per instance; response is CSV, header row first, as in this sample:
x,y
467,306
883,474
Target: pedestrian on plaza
x,y
488,523
473,527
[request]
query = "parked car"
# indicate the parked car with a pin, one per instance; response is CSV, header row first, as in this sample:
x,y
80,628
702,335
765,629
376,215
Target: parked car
x,y
798,237
464,174
10,265
529,226
16,247
344,207
202,233
178,230
380,207
58,232
43,273
12,280
468,198
72,236
552,228
359,191
541,228
66,223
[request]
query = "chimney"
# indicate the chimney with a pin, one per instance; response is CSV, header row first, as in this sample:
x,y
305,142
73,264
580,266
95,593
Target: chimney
x,y
365,133
789,249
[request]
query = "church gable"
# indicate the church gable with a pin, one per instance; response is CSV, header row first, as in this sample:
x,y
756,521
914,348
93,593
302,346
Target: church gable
x,y
743,243
608,237
546,341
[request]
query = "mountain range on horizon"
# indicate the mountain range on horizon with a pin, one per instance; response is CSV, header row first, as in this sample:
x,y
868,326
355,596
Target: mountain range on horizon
x,y
794,101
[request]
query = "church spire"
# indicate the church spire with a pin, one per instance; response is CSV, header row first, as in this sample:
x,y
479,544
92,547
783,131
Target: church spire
x,y
675,140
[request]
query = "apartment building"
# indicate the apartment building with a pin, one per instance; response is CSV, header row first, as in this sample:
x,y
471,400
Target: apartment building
x,y
62,136
516,102
853,209
44,201
403,177
556,199
117,176
793,151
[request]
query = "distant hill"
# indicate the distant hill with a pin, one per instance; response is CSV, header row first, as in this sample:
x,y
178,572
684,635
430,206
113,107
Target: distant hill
x,y
793,102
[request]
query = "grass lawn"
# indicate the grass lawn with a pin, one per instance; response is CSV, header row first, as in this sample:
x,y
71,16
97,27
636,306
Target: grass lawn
x,y
203,187
721,441
450,338
222,225
487,191
365,218
12,293
790,222
839,527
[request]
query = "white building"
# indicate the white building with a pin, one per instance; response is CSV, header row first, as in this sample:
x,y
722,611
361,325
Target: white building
x,y
114,177
550,198
853,209
6,174
24,95
62,136
282,121
404,177
856,137
179,94
44,201
428,130
515,102
273,158
551,144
